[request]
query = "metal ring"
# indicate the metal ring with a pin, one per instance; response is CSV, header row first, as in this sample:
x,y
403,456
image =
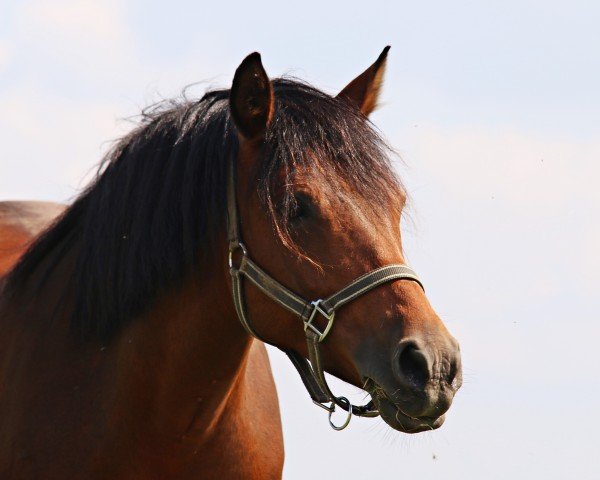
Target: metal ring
x,y
242,247
347,422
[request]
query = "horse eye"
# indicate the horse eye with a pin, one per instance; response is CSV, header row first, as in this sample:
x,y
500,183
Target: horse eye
x,y
298,208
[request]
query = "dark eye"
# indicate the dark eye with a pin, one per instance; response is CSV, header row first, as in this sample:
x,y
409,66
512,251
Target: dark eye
x,y
299,207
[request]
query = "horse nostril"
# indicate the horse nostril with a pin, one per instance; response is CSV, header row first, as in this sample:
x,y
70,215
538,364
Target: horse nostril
x,y
413,365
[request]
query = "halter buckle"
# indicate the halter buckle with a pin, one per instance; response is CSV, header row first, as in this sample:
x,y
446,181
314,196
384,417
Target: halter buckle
x,y
309,323
329,408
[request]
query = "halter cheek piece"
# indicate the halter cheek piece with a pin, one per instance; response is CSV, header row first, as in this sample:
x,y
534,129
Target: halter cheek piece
x,y
312,373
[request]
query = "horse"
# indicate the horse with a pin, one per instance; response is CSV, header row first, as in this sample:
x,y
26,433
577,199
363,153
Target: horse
x,y
131,325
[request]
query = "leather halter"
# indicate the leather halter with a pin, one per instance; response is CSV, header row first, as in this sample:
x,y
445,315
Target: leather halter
x,y
312,373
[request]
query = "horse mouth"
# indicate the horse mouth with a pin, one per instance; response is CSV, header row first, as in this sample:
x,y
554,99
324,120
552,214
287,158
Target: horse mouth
x,y
392,414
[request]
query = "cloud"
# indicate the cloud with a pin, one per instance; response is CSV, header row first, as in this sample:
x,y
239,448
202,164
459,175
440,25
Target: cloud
x,y
62,94
535,195
588,259
526,173
87,20
92,41
5,54
52,143
77,72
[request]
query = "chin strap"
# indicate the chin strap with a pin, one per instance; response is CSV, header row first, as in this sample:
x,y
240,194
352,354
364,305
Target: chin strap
x,y
312,374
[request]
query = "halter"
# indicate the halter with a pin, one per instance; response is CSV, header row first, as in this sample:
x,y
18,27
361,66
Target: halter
x,y
312,373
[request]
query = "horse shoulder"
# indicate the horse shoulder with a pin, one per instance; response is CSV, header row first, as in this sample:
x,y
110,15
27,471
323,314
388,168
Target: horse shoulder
x,y
251,429
263,406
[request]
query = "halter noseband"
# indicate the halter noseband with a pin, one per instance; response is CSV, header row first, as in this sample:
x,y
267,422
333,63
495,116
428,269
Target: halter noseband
x,y
312,373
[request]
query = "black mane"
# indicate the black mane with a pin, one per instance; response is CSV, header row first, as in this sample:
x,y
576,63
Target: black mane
x,y
157,205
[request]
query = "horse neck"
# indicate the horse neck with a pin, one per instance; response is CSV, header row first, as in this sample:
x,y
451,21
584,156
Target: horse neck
x,y
183,360
169,373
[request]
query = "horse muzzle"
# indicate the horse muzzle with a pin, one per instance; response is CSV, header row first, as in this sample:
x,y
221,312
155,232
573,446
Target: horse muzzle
x,y
423,381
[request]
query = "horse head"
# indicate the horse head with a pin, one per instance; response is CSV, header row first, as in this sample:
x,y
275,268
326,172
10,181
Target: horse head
x,y
320,206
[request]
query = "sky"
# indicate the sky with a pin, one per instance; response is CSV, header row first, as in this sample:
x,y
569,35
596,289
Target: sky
x,y
494,108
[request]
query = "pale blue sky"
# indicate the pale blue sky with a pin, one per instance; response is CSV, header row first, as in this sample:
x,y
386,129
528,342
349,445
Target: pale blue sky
x,y
495,110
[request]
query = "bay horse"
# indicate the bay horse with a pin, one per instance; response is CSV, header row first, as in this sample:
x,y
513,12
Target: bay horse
x,y
128,343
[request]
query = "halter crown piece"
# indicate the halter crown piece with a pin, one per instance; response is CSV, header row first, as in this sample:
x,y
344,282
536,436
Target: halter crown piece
x,y
312,373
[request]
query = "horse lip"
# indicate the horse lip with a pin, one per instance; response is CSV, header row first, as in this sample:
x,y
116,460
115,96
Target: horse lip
x,y
396,418
393,415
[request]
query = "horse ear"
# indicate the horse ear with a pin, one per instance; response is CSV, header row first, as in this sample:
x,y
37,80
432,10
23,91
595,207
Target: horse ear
x,y
364,90
251,98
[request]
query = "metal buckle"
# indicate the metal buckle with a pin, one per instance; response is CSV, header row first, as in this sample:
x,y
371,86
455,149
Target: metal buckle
x,y
233,248
329,316
329,408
